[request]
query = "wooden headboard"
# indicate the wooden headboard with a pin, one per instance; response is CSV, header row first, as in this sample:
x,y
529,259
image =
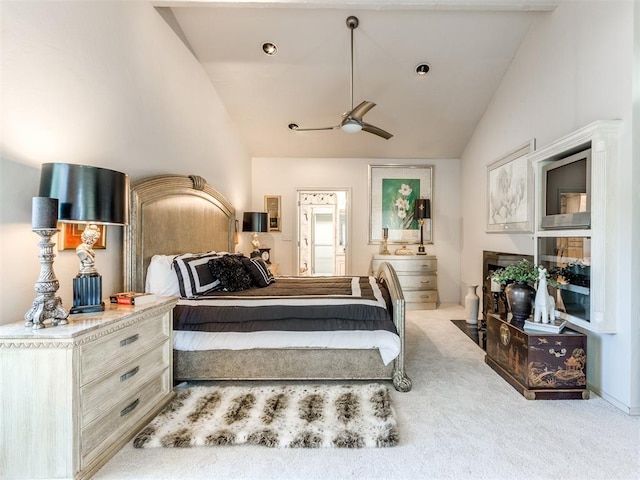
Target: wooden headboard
x,y
172,214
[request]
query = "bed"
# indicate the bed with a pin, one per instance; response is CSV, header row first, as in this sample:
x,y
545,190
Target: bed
x,y
173,216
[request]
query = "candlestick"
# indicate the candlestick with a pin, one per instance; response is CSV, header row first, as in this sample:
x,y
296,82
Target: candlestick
x,y
46,305
385,236
44,212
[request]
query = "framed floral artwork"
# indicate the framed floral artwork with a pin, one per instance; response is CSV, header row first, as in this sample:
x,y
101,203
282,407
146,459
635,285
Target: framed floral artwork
x,y
393,191
510,192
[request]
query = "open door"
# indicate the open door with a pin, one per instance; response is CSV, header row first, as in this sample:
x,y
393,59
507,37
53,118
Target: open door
x,y
322,232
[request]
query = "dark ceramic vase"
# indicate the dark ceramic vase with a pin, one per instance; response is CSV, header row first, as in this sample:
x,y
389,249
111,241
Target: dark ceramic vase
x,y
520,297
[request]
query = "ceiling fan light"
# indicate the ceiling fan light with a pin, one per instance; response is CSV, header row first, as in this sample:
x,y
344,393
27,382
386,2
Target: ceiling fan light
x,y
351,127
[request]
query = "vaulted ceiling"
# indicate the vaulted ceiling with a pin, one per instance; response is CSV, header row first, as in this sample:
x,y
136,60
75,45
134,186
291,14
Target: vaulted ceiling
x,y
467,45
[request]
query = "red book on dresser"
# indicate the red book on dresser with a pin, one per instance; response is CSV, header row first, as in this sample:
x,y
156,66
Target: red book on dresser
x,y
132,298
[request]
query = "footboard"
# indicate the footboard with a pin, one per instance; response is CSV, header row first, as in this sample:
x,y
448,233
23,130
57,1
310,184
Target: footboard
x,y
387,274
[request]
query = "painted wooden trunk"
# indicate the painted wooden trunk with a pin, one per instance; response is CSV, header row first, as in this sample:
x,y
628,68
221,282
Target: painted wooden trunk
x,y
539,365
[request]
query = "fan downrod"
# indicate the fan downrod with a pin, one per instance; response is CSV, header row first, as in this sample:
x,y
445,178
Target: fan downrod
x,y
352,22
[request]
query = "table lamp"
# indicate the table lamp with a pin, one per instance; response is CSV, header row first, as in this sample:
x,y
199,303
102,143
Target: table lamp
x,y
255,222
423,211
88,195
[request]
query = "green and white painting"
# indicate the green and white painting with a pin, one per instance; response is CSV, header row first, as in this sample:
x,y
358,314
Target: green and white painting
x,y
398,203
393,192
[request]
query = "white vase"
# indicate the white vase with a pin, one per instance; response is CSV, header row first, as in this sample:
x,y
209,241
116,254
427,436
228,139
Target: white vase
x,y
472,304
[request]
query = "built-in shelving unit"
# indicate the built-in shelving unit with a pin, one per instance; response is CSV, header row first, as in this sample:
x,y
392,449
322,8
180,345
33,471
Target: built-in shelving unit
x,y
592,303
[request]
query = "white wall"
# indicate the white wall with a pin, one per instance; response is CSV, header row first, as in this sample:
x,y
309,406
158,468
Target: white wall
x,y
574,67
284,176
105,84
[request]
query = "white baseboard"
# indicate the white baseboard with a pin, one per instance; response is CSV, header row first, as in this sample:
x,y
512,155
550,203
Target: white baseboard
x,y
615,402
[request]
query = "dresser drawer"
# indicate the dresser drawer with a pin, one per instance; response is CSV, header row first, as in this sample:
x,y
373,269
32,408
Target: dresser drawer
x,y
412,264
99,434
100,395
106,353
421,296
418,282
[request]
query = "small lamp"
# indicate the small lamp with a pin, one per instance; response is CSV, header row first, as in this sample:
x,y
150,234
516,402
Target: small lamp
x,y
255,222
92,196
423,211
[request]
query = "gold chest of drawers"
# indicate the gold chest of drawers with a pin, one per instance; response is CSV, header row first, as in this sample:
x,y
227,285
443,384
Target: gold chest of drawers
x,y
418,276
73,395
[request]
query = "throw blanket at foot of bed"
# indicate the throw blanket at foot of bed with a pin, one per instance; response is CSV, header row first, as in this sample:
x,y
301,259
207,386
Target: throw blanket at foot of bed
x,y
291,416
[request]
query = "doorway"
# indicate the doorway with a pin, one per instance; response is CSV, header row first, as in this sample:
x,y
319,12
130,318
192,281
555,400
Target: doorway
x,y
322,232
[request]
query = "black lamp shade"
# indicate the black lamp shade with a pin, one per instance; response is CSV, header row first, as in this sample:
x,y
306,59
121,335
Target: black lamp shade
x,y
254,222
423,208
86,194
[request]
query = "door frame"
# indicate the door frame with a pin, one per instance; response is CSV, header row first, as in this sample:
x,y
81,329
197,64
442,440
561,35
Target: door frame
x,y
348,207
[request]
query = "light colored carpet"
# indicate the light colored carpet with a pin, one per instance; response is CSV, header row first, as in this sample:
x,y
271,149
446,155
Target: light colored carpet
x,y
285,416
460,421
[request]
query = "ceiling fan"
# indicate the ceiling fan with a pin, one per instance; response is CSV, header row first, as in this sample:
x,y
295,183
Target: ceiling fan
x,y
352,120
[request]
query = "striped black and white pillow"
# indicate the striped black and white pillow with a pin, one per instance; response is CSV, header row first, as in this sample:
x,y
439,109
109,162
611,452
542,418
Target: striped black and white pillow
x,y
194,276
259,271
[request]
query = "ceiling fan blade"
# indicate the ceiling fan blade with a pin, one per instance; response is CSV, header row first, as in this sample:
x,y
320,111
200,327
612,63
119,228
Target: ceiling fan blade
x,y
376,131
358,112
298,129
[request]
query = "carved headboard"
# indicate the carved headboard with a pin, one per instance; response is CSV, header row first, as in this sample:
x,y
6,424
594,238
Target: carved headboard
x,y
172,214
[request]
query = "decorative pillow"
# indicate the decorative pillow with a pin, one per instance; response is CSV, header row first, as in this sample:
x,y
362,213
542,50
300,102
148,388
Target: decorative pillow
x,y
231,273
259,271
161,277
194,275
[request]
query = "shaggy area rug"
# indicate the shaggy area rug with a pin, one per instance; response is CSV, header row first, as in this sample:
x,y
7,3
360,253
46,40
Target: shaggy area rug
x,y
290,416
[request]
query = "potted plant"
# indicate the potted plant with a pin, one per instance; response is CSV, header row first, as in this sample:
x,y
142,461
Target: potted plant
x,y
519,280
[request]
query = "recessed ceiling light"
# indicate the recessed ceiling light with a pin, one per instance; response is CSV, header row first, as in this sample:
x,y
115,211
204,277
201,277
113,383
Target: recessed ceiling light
x,y
422,69
269,48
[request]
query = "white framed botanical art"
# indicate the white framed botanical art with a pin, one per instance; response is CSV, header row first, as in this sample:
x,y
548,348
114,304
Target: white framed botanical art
x,y
510,192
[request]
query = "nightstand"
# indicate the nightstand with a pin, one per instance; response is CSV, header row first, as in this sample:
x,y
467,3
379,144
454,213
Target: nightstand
x,y
273,268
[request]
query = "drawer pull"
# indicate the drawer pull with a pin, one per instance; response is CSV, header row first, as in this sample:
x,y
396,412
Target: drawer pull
x,y
425,281
129,374
127,341
130,408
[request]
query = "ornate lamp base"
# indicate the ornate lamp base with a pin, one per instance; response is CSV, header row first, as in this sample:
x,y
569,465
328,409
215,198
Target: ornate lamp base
x,y
421,246
46,306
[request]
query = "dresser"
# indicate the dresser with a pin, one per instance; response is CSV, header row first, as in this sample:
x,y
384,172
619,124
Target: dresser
x,y
74,394
418,276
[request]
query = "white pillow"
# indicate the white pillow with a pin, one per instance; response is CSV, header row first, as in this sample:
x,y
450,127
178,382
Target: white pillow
x,y
161,276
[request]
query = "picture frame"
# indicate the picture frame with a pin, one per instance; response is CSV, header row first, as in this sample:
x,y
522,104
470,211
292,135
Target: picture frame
x,y
70,236
510,196
393,190
272,205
